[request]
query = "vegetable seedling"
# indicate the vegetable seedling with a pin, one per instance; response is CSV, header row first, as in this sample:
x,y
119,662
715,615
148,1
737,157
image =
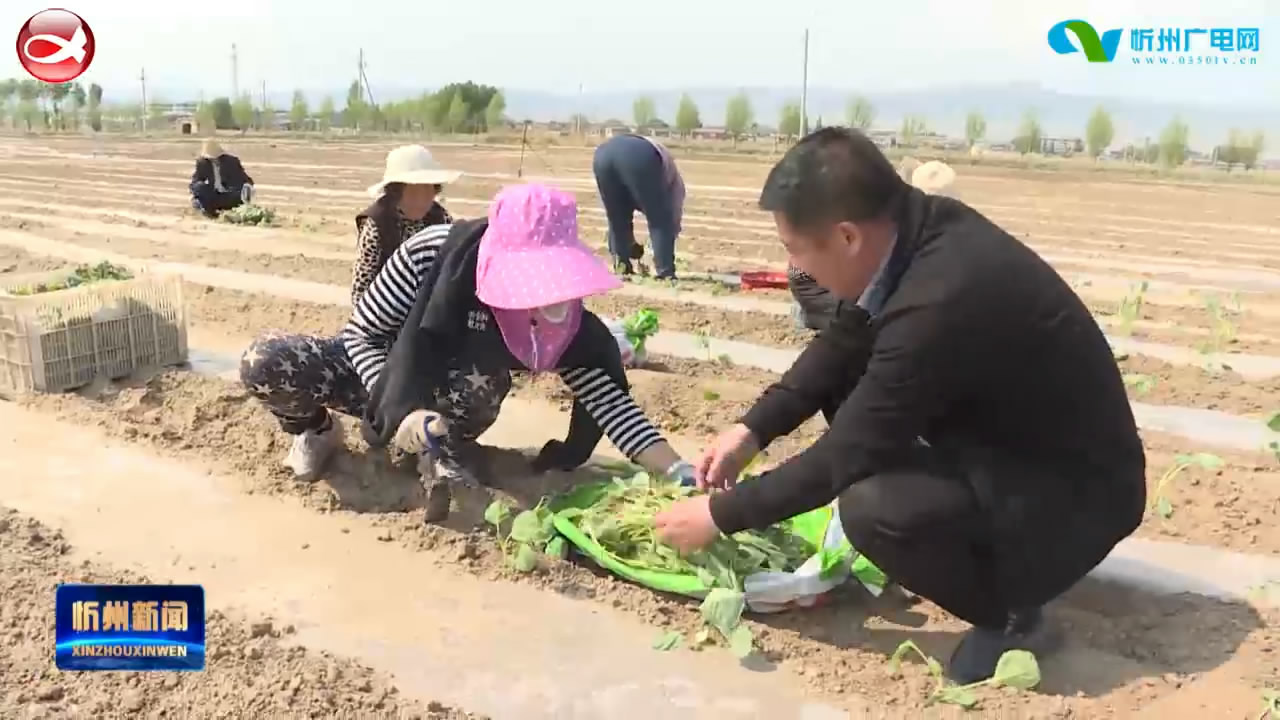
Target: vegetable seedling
x,y
249,214
710,395
639,327
1223,331
1273,424
530,531
1141,384
1016,669
1131,307
82,275
703,340
1181,464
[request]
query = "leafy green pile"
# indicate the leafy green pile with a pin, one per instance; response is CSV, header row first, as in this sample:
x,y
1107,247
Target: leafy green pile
x,y
82,275
622,523
249,214
639,327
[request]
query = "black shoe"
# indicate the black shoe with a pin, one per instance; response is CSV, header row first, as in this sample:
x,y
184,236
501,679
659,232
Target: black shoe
x,y
637,251
623,268
975,658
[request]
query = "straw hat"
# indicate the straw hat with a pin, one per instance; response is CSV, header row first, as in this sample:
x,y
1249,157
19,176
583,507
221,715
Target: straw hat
x,y
210,148
934,177
413,165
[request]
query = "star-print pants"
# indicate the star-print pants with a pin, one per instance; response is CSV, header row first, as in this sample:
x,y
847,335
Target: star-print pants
x,y
299,378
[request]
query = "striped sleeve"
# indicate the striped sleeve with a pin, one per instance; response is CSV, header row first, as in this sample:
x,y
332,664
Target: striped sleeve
x,y
381,311
613,408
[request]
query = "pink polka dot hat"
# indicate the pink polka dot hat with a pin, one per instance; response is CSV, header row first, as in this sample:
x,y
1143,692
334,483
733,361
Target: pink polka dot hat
x,y
531,255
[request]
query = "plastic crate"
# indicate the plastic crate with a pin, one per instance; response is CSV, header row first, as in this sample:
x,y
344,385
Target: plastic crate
x,y
63,340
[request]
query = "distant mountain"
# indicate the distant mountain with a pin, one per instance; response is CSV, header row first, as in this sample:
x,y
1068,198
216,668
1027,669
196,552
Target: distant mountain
x,y
943,108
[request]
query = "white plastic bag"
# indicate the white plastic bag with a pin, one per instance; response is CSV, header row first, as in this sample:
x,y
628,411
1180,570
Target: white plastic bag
x,y
630,357
769,592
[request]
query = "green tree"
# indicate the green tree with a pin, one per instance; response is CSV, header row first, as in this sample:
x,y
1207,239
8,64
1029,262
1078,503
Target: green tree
x,y
28,112
95,107
326,113
688,118
494,111
299,111
913,126
643,111
1173,143
860,113
242,112
1099,132
206,118
475,101
58,93
223,118
738,115
789,119
457,114
1029,135
975,128
357,109
8,88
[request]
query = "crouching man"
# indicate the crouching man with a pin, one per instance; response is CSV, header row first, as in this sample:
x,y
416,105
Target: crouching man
x,y
983,451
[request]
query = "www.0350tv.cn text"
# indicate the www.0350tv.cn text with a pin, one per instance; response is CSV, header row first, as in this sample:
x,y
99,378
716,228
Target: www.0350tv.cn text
x,y
1193,60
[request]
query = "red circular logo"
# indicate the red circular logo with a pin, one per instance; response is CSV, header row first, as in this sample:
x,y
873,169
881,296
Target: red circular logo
x,y
55,45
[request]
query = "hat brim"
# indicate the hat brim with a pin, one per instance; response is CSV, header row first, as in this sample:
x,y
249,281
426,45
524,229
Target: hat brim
x,y
576,273
416,177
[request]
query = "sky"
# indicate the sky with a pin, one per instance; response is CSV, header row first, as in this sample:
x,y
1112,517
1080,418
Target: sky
x,y
660,44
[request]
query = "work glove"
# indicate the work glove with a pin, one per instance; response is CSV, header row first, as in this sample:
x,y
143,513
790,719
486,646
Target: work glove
x,y
420,433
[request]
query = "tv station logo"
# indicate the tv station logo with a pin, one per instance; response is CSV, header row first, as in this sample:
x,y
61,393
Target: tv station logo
x,y
130,627
55,45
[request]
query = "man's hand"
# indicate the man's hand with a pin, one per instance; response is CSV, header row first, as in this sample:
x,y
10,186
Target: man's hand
x,y
726,457
687,525
420,432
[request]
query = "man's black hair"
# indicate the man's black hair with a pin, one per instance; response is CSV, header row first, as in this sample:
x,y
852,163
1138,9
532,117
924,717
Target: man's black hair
x,y
833,174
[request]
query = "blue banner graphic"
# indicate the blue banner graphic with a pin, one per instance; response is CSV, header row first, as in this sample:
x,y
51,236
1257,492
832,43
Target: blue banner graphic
x,y
129,627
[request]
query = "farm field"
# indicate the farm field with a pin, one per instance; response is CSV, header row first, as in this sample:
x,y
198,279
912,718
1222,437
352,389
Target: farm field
x,y
1204,335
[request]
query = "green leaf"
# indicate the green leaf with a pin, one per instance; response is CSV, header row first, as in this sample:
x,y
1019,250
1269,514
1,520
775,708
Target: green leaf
x,y
497,513
558,547
1017,669
1273,423
529,528
722,610
1164,507
668,641
962,696
1208,461
904,647
741,641
526,558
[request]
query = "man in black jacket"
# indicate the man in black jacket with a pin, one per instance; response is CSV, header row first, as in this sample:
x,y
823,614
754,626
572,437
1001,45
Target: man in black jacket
x,y
983,452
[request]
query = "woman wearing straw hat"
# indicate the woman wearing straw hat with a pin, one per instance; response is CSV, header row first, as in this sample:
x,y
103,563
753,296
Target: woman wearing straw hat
x,y
435,343
219,182
404,203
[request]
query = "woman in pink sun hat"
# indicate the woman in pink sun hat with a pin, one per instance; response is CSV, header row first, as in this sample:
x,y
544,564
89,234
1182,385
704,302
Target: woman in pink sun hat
x,y
447,320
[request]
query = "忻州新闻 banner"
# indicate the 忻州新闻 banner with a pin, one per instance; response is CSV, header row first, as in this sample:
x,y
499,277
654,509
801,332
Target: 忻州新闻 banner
x,y
129,627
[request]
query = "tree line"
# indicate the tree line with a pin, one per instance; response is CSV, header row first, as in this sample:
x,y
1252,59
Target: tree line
x,y
30,105
468,107
455,108
1171,149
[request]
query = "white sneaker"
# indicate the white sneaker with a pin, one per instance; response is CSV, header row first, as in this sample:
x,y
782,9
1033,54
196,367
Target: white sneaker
x,y
312,449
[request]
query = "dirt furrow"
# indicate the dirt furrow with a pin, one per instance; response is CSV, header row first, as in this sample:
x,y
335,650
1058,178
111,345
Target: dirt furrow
x,y
252,670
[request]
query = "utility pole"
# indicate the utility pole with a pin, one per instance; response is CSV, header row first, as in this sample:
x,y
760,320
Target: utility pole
x,y
235,74
145,109
804,88
364,79
266,121
577,118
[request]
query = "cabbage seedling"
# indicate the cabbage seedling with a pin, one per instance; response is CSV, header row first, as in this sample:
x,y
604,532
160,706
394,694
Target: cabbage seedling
x,y
1181,464
1016,669
1131,307
1141,384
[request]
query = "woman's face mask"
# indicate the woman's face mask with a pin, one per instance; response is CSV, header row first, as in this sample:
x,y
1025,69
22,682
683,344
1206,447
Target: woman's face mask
x,y
555,314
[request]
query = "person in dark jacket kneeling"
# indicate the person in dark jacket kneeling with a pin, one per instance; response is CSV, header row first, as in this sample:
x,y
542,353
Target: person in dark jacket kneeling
x,y
983,450
437,335
219,181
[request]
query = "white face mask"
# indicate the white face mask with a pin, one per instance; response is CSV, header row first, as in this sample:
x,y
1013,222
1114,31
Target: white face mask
x,y
555,314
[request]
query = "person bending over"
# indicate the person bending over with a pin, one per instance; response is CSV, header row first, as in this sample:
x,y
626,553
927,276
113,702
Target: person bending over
x,y
638,173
